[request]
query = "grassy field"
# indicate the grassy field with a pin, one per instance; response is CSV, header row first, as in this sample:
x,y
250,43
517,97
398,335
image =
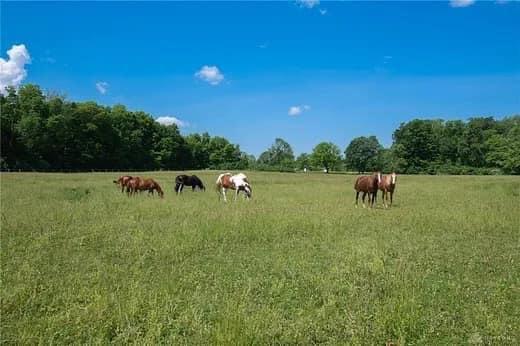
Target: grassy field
x,y
82,263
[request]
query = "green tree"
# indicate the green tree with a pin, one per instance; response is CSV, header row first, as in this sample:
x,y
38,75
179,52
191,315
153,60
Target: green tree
x,y
303,161
12,146
416,144
474,149
503,150
326,155
362,154
200,150
279,156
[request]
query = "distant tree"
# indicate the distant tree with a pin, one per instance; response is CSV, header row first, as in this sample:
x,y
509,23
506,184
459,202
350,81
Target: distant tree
x,y
223,154
503,150
200,150
326,155
303,161
12,146
362,154
416,144
170,148
279,156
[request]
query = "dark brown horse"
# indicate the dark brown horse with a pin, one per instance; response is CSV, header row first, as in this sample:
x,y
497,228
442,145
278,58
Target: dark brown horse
x,y
122,181
138,184
387,185
187,180
368,185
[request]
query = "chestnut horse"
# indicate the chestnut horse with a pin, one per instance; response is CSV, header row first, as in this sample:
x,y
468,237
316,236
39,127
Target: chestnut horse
x,y
139,184
236,182
387,185
122,181
367,185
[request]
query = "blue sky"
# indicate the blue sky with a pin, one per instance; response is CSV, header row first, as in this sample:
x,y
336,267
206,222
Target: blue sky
x,y
342,69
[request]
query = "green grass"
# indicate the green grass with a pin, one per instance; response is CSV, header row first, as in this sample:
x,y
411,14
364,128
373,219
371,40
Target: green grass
x,y
82,263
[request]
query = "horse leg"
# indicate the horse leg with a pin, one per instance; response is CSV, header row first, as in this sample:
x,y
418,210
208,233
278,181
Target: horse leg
x,y
363,198
391,197
357,197
224,194
236,194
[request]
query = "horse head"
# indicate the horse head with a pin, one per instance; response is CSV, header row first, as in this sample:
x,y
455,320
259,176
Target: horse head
x,y
377,176
248,190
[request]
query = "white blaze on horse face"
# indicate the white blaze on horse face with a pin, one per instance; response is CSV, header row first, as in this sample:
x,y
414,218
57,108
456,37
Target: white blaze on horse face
x,y
379,177
393,178
247,190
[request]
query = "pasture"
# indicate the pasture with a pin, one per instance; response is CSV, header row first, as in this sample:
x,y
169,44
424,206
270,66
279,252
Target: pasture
x,y
298,264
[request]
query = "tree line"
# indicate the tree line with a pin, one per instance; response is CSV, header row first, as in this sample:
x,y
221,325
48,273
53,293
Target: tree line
x,y
49,132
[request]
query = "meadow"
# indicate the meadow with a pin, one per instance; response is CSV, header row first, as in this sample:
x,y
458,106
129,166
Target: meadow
x,y
298,264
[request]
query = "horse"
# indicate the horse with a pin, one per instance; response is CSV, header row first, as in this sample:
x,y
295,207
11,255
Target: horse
x,y
387,185
122,181
138,184
193,181
132,186
367,184
236,182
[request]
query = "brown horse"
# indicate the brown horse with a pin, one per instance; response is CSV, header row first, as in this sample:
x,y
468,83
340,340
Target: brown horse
x,y
138,184
367,185
122,181
387,185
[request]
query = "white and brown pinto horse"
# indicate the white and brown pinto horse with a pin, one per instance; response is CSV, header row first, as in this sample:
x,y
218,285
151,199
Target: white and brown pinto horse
x,y
368,185
387,185
237,182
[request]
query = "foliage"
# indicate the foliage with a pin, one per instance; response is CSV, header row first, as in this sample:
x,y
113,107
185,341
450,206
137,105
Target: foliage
x,y
42,132
362,154
479,146
49,132
303,161
326,155
279,156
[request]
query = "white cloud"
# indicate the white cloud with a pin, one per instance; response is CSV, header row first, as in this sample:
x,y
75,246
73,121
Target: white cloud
x,y
12,70
171,120
102,87
461,3
263,45
308,3
210,74
323,11
297,110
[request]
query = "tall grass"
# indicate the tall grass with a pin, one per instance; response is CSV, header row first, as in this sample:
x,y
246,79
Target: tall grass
x,y
82,263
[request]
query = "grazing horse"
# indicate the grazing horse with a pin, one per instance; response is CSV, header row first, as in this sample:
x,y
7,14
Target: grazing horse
x,y
236,182
132,186
122,181
138,184
387,185
367,185
187,180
